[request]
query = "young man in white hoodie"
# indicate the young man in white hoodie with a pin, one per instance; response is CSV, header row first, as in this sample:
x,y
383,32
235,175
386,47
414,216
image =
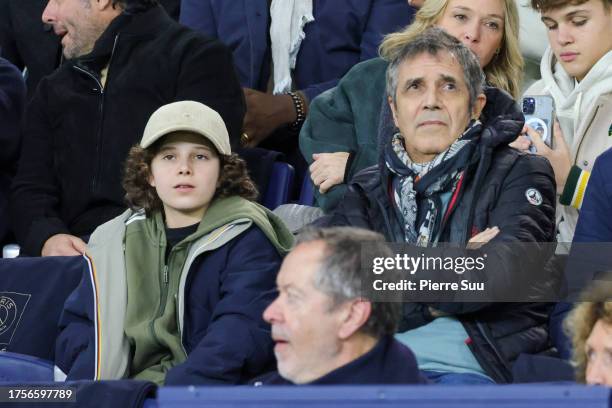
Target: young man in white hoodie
x,y
577,72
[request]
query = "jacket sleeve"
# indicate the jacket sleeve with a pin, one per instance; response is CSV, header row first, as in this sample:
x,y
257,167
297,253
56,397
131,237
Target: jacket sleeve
x,y
237,344
207,75
329,128
35,193
385,16
12,99
594,223
525,228
75,346
345,119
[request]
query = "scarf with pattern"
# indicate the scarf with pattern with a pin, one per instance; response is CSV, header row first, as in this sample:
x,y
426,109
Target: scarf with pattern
x,y
421,190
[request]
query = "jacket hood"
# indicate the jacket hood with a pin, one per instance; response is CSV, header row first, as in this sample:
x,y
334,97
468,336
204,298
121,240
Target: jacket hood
x,y
223,211
502,121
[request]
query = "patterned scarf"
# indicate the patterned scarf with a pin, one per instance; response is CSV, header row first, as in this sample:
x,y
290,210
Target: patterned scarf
x,y
419,188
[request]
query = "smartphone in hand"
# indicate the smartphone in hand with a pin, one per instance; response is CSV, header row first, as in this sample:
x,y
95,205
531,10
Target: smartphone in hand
x,y
539,112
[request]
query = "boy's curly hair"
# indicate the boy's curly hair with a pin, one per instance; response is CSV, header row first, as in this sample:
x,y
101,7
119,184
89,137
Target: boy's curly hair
x,y
233,180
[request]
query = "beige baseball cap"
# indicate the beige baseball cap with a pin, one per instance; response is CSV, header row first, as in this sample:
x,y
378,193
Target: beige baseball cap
x,y
189,116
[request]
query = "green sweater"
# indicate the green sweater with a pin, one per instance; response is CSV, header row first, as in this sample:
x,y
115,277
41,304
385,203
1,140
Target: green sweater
x,y
345,119
152,324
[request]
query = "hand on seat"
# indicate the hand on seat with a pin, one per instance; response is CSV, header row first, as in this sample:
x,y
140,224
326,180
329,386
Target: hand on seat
x,y
63,245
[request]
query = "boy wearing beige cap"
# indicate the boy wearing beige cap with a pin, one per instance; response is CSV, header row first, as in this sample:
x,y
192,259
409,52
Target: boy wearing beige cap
x,y
177,284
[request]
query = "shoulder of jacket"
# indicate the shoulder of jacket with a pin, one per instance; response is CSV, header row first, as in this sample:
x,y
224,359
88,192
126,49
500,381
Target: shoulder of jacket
x,y
111,228
365,68
521,162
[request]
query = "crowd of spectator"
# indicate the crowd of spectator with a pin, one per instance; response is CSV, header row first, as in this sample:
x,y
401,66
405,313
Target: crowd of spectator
x,y
134,134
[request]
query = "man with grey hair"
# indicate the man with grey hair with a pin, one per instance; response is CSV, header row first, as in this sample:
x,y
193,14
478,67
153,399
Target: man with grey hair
x,y
447,177
325,330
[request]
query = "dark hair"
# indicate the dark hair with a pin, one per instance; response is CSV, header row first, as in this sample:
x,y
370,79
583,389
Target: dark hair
x,y
340,275
233,178
547,5
433,41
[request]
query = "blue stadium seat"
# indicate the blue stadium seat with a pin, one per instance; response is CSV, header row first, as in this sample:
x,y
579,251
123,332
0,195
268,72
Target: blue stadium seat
x,y
15,367
307,191
32,295
279,186
363,396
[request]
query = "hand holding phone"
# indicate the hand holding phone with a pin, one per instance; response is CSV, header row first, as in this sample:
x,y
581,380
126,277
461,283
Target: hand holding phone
x,y
539,114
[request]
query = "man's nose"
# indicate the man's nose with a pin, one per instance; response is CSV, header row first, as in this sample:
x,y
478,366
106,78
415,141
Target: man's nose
x,y
49,13
272,312
431,99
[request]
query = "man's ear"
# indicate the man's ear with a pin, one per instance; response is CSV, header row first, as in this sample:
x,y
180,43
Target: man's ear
x,y
393,111
107,5
481,101
357,314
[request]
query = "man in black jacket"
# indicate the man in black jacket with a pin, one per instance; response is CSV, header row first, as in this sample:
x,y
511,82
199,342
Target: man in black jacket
x,y
448,176
125,58
29,43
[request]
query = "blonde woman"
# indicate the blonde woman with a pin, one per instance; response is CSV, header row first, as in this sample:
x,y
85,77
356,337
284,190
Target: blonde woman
x,y
340,135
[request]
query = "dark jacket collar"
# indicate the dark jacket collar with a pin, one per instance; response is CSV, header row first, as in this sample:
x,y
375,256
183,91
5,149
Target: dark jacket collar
x,y
388,362
143,23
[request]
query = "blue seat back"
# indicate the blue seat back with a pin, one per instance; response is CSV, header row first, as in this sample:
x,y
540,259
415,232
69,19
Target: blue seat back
x,y
32,296
279,186
16,367
307,191
368,396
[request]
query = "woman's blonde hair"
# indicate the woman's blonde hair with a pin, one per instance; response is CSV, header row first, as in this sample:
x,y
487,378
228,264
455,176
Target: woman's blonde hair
x,y
580,322
505,71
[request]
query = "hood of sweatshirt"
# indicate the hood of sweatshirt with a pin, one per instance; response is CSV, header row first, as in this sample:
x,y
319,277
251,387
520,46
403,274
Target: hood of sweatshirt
x,y
574,100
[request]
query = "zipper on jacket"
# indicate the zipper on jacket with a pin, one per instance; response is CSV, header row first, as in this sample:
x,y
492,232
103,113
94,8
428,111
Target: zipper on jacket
x,y
507,376
96,175
100,111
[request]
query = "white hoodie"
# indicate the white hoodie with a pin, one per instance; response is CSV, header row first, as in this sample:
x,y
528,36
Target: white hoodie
x,y
584,110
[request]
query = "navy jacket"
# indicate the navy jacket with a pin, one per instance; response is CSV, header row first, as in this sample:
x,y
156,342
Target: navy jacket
x,y
594,225
344,33
595,221
389,362
225,337
12,98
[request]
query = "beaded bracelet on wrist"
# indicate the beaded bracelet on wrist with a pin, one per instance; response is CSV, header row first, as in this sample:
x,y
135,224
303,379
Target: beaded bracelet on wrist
x,y
300,110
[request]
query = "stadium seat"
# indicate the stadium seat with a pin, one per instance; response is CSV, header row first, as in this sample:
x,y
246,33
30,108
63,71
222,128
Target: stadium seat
x,y
307,191
279,186
363,396
32,296
15,367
